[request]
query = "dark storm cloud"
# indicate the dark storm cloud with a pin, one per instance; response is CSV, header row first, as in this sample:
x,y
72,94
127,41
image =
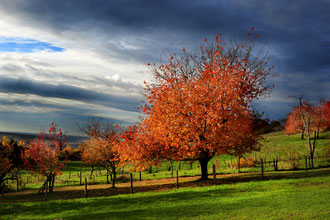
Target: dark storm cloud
x,y
25,86
299,30
151,25
137,15
298,33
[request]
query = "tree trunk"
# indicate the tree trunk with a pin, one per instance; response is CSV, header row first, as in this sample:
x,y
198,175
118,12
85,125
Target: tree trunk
x,y
311,160
50,179
92,170
302,135
203,162
114,178
239,164
53,182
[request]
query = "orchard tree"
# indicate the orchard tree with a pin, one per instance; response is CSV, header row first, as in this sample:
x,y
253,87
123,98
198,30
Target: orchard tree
x,y
321,120
313,118
88,155
100,149
198,104
43,155
11,153
294,123
326,115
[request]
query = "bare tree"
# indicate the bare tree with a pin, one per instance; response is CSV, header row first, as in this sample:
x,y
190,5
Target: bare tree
x,y
307,114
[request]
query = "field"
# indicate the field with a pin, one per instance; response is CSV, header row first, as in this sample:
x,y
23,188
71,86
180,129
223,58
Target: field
x,y
291,197
286,193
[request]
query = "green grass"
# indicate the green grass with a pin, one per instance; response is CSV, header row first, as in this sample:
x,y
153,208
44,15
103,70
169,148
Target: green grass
x,y
299,198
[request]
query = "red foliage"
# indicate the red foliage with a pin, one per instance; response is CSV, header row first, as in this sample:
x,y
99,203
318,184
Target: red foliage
x,y
101,147
318,118
326,115
42,155
294,123
199,106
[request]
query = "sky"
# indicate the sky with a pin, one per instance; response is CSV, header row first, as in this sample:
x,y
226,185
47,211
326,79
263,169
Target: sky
x,y
71,61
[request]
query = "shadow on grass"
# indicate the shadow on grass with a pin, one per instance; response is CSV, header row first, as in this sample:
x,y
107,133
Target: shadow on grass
x,y
130,207
225,201
78,192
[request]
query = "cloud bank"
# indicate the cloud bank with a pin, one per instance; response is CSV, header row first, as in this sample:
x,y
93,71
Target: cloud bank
x,y
69,60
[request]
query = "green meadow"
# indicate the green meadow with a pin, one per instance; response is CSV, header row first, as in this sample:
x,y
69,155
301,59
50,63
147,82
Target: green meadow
x,y
283,194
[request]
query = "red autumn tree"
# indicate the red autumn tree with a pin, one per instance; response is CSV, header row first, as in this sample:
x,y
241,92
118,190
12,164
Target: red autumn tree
x,y
294,124
321,119
11,153
318,118
43,153
326,115
100,149
87,155
313,119
198,105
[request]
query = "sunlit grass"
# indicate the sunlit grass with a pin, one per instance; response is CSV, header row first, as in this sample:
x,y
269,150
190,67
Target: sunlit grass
x,y
301,198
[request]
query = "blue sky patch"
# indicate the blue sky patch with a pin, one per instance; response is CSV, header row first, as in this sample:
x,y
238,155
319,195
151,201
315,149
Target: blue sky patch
x,y
24,45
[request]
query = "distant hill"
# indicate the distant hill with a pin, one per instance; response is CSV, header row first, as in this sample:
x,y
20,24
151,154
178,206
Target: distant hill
x,y
27,137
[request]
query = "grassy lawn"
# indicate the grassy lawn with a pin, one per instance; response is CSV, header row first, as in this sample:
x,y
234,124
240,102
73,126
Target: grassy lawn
x,y
283,195
296,197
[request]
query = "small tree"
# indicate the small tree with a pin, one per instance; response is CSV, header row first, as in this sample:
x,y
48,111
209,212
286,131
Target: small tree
x,y
43,153
11,153
313,119
101,147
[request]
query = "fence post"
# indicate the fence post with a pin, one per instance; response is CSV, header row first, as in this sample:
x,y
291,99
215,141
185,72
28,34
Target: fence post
x,y
86,194
276,163
140,176
80,177
214,175
262,168
305,165
177,179
131,177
